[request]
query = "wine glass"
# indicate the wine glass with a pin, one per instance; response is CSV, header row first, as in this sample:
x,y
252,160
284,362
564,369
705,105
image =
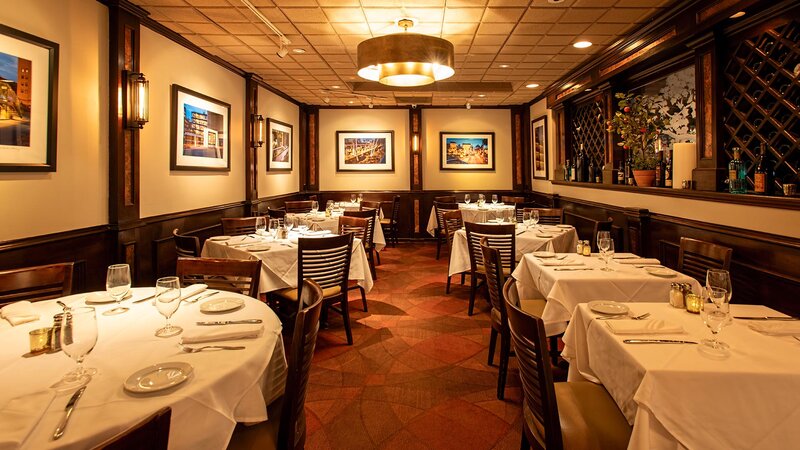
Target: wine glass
x,y
352,198
606,247
118,284
715,315
467,198
494,199
360,197
602,235
314,206
526,219
78,338
168,298
261,225
535,217
720,278
481,199
274,224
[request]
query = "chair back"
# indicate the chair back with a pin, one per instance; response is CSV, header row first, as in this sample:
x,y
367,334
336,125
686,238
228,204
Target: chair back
x,y
445,199
238,226
325,260
296,207
185,245
512,200
313,198
510,293
603,225
151,433
355,225
36,283
452,223
530,347
233,275
371,217
440,208
696,257
494,280
500,237
368,204
395,216
292,431
277,214
552,216
521,207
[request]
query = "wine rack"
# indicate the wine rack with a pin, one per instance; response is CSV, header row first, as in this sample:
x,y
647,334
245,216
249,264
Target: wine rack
x,y
761,101
588,127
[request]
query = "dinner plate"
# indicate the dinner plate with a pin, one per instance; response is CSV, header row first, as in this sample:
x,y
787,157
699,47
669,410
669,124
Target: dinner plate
x,y
628,256
544,235
566,227
258,248
544,254
219,305
608,307
100,298
219,238
158,377
660,272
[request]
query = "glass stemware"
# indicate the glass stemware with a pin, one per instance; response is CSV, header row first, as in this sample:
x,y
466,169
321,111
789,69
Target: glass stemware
x,y
352,198
168,298
360,197
535,217
118,284
314,206
606,247
602,235
526,219
261,225
715,313
721,279
274,224
467,198
78,338
494,199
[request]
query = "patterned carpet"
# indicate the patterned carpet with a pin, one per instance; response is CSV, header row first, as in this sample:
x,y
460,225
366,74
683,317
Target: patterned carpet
x,y
416,376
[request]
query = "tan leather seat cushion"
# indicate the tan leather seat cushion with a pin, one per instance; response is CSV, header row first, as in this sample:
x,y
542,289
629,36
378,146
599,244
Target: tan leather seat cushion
x,y
534,307
386,221
291,294
506,270
590,419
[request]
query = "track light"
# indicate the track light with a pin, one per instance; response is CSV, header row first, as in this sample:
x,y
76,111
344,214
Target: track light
x,y
469,105
284,49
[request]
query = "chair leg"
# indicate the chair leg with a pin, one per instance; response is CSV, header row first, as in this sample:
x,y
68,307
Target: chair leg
x,y
438,245
505,348
363,297
346,319
463,277
492,344
472,289
524,444
447,288
378,257
554,350
371,260
323,316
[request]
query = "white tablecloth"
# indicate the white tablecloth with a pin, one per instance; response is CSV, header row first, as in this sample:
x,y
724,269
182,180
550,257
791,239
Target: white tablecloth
x,y
528,241
279,263
677,397
225,388
472,213
332,224
564,290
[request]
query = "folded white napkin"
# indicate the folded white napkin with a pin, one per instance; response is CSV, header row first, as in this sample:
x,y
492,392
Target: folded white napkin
x,y
20,416
221,333
788,328
561,262
625,256
19,312
652,326
640,261
551,229
193,289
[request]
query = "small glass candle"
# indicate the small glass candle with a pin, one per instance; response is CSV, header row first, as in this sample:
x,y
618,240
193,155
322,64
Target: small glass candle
x,y
587,248
40,340
579,247
694,304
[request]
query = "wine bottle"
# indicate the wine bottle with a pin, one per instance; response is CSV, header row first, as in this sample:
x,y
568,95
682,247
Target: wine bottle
x,y
621,173
668,169
580,163
629,170
659,181
571,171
590,178
737,183
761,174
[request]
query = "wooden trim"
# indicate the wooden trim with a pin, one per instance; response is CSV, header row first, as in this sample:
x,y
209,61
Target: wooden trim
x,y
191,212
17,244
415,128
604,71
517,149
251,151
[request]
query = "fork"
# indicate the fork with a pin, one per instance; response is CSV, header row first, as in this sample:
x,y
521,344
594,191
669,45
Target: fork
x,y
217,347
639,317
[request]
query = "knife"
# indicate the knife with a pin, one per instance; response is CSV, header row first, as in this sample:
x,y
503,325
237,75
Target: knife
x,y
656,341
144,299
766,318
68,413
209,294
231,322
573,268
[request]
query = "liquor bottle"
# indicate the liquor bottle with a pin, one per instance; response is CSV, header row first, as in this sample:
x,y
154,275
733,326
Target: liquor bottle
x,y
668,169
621,173
737,183
591,172
629,170
659,181
762,173
572,174
580,166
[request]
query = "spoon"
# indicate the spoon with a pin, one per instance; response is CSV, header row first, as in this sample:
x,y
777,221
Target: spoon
x,y
216,347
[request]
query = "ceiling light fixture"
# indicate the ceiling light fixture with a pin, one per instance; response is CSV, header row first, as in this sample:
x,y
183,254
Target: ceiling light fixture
x,y
299,51
284,49
504,66
582,44
738,14
469,105
406,59
532,85
284,41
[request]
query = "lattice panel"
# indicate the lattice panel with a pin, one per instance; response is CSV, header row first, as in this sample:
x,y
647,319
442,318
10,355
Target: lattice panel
x,y
761,101
588,127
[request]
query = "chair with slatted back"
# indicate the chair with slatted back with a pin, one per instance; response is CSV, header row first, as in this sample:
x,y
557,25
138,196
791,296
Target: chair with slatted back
x,y
278,214
602,225
500,237
560,415
522,207
298,207
390,222
369,246
286,427
531,306
358,227
185,245
151,433
326,261
369,204
511,200
233,275
549,216
494,280
439,209
445,199
696,257
238,226
36,283
452,223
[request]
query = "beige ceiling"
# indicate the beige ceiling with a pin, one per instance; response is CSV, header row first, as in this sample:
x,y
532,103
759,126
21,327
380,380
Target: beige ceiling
x,y
515,41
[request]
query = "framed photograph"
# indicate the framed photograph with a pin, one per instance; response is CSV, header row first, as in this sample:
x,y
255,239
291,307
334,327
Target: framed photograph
x,y
365,151
279,156
539,161
466,151
200,132
28,102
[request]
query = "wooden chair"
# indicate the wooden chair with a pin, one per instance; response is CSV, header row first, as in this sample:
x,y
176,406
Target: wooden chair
x,y
298,207
36,283
238,226
534,307
494,280
369,204
326,261
440,234
151,433
185,245
278,214
445,199
519,208
390,222
696,257
500,237
233,275
603,225
369,246
358,227
286,427
507,199
550,216
452,223
560,415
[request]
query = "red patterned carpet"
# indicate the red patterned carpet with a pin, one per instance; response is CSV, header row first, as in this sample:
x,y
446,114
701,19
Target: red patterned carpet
x,y
416,376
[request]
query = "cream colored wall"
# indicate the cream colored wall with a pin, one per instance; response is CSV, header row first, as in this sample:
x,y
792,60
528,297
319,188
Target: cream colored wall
x,y
163,191
469,121
332,120
76,195
767,220
276,183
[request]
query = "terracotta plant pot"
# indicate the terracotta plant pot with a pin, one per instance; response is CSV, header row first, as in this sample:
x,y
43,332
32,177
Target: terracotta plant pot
x,y
644,178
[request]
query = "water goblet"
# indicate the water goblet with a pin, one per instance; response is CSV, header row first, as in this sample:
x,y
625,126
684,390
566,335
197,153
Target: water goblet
x,y
606,247
494,199
526,219
168,298
352,198
78,338
274,224
360,197
118,284
467,198
720,278
261,225
602,235
535,217
715,316
314,206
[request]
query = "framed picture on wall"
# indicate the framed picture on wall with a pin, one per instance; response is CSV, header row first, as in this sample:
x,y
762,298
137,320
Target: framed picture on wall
x,y
28,102
200,132
539,163
279,156
466,151
365,151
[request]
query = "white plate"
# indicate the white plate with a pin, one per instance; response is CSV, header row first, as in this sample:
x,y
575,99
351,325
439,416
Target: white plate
x,y
158,377
99,298
660,272
608,307
221,305
544,254
630,256
566,227
219,238
543,235
258,248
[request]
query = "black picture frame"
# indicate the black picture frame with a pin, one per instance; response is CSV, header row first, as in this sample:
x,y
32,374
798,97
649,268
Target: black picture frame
x,y
278,166
540,164
182,96
448,138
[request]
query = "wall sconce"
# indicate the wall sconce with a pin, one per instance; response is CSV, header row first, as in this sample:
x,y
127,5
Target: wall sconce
x,y
258,130
138,100
415,143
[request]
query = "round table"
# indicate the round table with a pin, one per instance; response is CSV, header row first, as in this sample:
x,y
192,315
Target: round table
x,y
226,386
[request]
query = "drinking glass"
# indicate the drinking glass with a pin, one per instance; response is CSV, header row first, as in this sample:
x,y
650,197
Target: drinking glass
x,y
314,206
274,224
352,198
606,247
720,278
715,315
261,225
168,298
360,197
329,204
467,198
118,284
535,217
602,235
526,219
78,338
494,199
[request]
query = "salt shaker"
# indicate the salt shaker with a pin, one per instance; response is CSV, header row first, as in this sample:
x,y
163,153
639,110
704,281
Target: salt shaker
x,y
579,247
676,295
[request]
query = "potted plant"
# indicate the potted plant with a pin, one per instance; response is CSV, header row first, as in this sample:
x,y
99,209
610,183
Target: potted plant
x,y
638,125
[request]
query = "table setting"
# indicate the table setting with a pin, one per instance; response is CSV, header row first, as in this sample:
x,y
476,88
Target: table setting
x,y
319,221
479,212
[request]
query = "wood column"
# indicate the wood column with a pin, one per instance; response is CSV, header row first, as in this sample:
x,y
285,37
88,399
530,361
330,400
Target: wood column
x,y
518,125
561,140
251,200
709,174
309,148
415,154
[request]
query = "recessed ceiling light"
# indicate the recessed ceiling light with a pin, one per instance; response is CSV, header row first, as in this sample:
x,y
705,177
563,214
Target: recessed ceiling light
x,y
298,50
481,95
504,66
336,86
350,102
588,90
736,15
532,85
582,44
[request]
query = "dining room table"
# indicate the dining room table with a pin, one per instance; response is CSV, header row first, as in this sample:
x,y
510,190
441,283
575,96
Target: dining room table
x,y
680,395
219,389
566,280
321,221
472,212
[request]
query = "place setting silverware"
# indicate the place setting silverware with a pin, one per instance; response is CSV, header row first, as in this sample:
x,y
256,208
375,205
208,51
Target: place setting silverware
x,y
230,322
201,297
766,318
570,269
62,425
625,317
144,299
212,347
657,341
